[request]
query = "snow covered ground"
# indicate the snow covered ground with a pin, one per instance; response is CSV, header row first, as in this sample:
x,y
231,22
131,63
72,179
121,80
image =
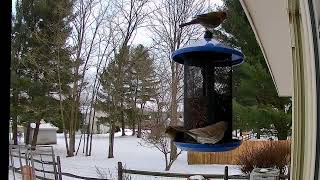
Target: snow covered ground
x,y
128,150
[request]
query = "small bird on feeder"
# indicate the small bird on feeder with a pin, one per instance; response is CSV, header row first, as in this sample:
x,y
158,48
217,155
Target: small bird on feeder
x,y
210,20
206,135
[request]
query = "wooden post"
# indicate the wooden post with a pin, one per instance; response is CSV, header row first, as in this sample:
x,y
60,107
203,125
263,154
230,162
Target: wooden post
x,y
225,173
27,173
120,171
59,168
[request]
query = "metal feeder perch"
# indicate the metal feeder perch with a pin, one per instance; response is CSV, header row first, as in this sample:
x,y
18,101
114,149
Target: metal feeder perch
x,y
207,90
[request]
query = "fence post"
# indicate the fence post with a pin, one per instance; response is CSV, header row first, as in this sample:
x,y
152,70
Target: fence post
x,y
225,173
59,168
120,171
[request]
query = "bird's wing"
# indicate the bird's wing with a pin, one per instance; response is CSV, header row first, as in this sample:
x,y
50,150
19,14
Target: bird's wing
x,y
210,134
208,14
210,130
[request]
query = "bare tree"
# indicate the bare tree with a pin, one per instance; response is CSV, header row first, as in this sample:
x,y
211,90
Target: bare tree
x,y
168,37
106,47
156,138
90,17
131,14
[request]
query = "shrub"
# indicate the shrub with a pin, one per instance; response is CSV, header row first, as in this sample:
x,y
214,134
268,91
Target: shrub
x,y
269,155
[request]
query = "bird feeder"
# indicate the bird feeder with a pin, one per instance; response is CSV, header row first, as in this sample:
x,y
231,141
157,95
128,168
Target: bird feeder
x,y
207,90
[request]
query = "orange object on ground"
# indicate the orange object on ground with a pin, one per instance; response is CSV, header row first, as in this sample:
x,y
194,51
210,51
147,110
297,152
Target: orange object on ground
x,y
27,173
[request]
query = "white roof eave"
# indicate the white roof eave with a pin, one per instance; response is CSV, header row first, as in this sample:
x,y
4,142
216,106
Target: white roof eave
x,y
270,23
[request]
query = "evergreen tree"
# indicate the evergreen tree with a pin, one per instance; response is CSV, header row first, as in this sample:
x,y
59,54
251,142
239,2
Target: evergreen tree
x,y
110,100
127,83
253,88
19,82
141,82
41,59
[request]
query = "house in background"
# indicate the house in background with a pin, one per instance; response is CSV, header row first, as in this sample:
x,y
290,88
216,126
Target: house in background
x,y
97,128
149,116
47,133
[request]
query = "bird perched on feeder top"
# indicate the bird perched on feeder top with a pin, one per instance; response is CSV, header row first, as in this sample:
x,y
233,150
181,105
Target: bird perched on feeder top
x,y
206,135
210,20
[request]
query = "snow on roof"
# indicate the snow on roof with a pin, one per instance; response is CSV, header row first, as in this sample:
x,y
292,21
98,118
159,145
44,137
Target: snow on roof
x,y
44,126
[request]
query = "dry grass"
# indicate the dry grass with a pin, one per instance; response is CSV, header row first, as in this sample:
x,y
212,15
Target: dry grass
x,y
265,156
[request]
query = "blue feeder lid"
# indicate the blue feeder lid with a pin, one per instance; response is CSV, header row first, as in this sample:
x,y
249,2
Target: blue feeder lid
x,y
209,147
208,50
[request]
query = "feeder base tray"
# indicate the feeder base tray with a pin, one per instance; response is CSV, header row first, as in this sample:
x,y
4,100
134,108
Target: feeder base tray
x,y
209,147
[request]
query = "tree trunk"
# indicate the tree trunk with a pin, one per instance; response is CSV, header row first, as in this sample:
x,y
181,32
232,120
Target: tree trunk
x,y
35,135
84,142
88,137
140,122
174,107
71,140
75,125
91,133
169,164
111,141
166,159
15,130
94,114
123,127
167,168
133,127
71,131
61,111
66,140
122,121
27,135
79,144
88,132
73,113
173,151
139,128
71,144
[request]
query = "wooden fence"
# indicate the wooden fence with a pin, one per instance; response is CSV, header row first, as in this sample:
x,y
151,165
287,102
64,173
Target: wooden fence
x,y
228,157
43,173
224,176
122,172
18,170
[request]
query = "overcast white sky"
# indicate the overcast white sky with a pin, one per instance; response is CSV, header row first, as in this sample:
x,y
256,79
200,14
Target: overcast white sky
x,y
142,35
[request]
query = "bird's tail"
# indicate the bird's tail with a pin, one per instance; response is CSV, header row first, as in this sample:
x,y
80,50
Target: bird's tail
x,y
186,24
